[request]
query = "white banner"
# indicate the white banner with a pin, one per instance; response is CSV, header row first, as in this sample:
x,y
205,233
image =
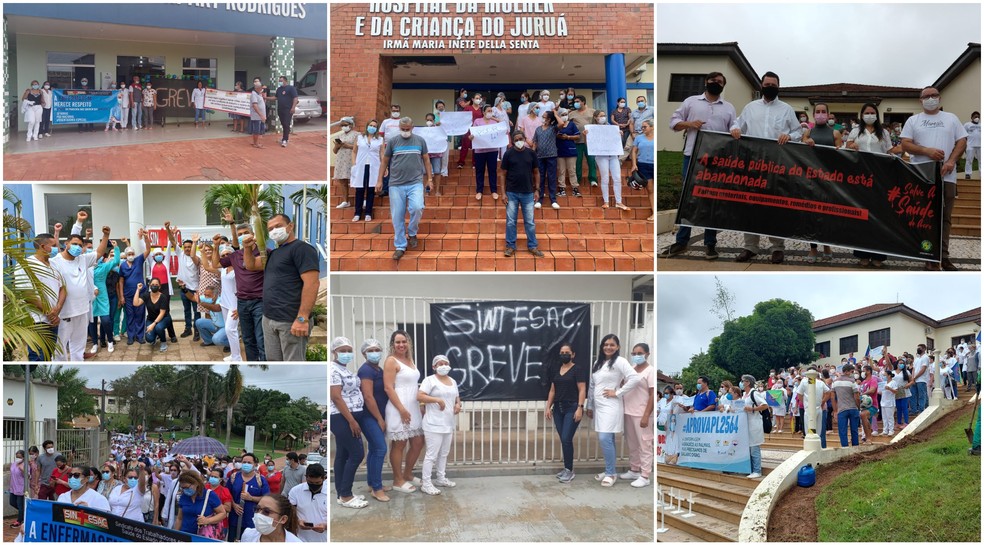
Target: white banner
x,y
227,101
713,440
248,440
490,136
603,140
436,138
456,123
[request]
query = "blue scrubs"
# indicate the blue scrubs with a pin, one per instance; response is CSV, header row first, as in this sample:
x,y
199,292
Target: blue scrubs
x,y
132,275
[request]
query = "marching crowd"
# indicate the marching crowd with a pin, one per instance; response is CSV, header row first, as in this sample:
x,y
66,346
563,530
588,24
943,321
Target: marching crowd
x,y
861,394
386,401
545,141
217,496
118,289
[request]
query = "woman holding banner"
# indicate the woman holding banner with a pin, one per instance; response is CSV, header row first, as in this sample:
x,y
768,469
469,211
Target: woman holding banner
x,y
667,409
79,494
872,138
825,135
125,500
609,168
485,158
604,400
565,406
403,418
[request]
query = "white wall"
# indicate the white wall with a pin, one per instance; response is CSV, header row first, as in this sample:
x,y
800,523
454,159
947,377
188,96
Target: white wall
x,y
906,333
43,398
596,287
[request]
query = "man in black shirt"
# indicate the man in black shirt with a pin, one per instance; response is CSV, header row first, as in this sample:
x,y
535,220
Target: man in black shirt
x,y
290,287
286,104
518,165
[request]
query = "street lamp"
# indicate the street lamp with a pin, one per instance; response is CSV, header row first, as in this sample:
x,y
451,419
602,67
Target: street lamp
x,y
140,394
274,438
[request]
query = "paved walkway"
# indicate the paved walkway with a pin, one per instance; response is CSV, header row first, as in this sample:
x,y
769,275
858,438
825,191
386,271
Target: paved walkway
x,y
505,509
172,153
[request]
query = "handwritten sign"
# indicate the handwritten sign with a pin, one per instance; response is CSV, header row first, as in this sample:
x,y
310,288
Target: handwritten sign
x,y
456,123
490,136
603,140
504,350
863,201
227,101
436,138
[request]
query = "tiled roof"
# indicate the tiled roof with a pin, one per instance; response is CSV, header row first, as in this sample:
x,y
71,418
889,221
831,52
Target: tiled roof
x,y
854,314
973,314
882,309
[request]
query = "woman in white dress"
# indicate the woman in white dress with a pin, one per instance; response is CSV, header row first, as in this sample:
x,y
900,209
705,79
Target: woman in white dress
x,y
366,157
604,403
403,419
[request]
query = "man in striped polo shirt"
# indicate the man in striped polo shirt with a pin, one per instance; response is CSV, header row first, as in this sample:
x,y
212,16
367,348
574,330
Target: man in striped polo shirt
x,y
406,160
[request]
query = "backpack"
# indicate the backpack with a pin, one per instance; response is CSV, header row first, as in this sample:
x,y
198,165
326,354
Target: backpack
x,y
766,416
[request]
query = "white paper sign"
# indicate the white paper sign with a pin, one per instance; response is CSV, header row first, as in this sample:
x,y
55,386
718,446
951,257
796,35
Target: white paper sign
x,y
456,123
436,138
603,140
490,136
227,101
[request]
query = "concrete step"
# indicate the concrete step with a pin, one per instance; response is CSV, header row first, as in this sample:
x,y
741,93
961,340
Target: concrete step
x,y
486,242
963,231
676,535
467,208
707,475
703,526
718,490
497,226
363,260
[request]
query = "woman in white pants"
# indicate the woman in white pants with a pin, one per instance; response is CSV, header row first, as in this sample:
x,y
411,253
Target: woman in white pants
x,y
608,169
33,110
440,393
229,303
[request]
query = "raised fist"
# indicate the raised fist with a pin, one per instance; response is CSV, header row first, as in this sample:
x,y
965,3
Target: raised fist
x,y
88,232
105,231
58,227
216,237
167,225
249,240
139,287
82,216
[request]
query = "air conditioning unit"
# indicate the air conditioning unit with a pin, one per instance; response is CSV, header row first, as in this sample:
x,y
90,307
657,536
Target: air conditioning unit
x,y
928,331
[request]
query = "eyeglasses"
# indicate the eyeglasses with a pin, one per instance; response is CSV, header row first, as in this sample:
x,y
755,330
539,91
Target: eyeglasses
x,y
934,95
267,512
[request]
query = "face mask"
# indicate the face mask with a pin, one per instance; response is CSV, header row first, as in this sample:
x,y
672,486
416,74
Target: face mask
x,y
223,248
346,129
85,82
802,120
856,376
522,100
344,358
35,86
75,250
770,92
488,115
443,370
237,465
715,88
700,386
374,357
148,87
315,488
214,481
520,144
679,392
271,469
464,95
155,289
395,115
864,375
241,237
257,84
54,252
247,467
430,123
570,97
263,524
130,258
122,86
821,118
131,482
188,491
371,130
105,475
931,104
831,122
282,83
621,104
174,474
159,258
564,118
279,234
46,86
74,483
601,121
976,120
34,457
666,395
870,118
638,359
545,98
92,478
577,105
406,134
641,105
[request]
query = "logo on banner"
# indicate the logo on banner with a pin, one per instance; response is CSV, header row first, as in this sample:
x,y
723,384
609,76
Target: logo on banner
x,y
81,518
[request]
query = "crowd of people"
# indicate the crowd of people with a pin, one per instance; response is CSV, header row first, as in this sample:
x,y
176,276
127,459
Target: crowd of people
x,y
545,149
385,400
119,289
867,395
234,498
931,135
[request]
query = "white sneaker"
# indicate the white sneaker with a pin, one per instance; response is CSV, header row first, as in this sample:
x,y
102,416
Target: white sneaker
x,y
116,338
356,218
874,434
110,348
555,206
755,476
640,482
94,349
227,358
283,143
368,218
538,205
630,475
345,204
430,489
444,482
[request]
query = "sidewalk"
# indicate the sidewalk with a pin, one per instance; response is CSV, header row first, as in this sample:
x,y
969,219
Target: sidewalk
x,y
505,509
171,153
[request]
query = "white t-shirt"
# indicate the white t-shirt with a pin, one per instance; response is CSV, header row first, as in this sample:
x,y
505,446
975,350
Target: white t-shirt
x,y
435,420
126,504
310,508
867,141
389,128
75,273
187,270
921,362
803,390
52,280
89,498
938,131
973,134
252,535
549,106
198,97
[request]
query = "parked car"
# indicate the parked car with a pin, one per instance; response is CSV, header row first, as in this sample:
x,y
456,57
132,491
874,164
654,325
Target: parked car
x,y
307,108
160,428
315,84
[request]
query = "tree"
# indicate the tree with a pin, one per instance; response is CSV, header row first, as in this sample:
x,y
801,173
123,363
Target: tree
x,y
255,202
701,365
315,194
21,294
723,304
233,389
73,400
777,334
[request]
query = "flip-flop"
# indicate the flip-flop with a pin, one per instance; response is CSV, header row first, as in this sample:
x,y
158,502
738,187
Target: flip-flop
x,y
406,488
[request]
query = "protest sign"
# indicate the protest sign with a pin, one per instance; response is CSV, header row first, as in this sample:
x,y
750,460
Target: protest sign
x,y
227,101
864,201
52,522
174,97
503,350
436,138
490,136
603,140
72,106
456,123
660,444
712,440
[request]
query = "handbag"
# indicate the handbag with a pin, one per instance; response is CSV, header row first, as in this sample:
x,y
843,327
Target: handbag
x,y
211,531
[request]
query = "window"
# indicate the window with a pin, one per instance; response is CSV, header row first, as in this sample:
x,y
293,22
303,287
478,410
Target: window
x,y
849,344
307,223
685,85
317,232
127,67
62,208
954,341
310,79
67,70
296,216
822,348
111,401
881,337
208,68
930,343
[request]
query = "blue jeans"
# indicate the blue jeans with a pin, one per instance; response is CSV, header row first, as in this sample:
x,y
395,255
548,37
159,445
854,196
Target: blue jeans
x,y
607,441
755,453
548,176
137,114
199,114
251,320
922,396
823,430
52,332
485,161
101,328
563,417
513,202
850,417
159,331
902,410
211,333
190,310
683,231
377,449
402,198
349,452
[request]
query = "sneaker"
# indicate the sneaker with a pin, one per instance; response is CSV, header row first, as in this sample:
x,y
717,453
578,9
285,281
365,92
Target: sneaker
x,y
430,489
283,143
555,206
95,348
344,204
562,193
412,242
755,476
594,184
538,205
745,256
561,473
576,192
640,482
174,339
163,347
966,176
102,344
356,218
710,253
509,253
398,254
445,482
368,217
567,478
674,249
116,338
186,333
874,434
630,475
110,348
536,252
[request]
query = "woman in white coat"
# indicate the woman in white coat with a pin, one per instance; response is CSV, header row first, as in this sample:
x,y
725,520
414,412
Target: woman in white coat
x,y
666,410
604,403
366,157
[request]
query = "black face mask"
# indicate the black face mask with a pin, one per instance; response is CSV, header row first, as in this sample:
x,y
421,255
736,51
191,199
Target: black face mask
x,y
315,488
565,358
715,88
155,289
770,92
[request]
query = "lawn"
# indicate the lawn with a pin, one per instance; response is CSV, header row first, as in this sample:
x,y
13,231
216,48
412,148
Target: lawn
x,y
928,492
669,179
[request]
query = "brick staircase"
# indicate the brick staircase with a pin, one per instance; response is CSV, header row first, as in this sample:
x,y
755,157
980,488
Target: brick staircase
x,y
459,233
967,208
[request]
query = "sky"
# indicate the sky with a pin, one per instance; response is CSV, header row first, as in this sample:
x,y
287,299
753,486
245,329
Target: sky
x,y
685,323
893,44
296,380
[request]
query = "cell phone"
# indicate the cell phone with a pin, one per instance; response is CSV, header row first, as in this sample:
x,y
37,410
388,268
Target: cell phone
x,y
338,141
309,524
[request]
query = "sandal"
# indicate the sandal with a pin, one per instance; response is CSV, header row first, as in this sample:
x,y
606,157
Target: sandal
x,y
608,481
357,496
406,488
379,495
354,503
621,206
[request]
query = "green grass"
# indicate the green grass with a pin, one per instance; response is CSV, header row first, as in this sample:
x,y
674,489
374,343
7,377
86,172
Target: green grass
x,y
925,492
669,179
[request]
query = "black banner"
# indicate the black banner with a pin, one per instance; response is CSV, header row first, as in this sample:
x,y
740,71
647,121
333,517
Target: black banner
x,y
502,350
174,97
864,201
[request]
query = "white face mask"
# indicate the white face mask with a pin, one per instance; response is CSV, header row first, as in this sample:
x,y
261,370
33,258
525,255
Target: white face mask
x,y
395,115
406,134
563,118
931,104
264,524
279,234
346,129
870,118
443,370
520,145
430,123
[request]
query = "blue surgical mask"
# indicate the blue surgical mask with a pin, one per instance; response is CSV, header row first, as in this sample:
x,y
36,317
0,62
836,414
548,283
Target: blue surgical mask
x,y
92,478
224,248
74,483
204,299
371,130
522,100
241,237
374,357
54,252
159,258
345,358
105,475
666,395
247,467
570,97
75,250
577,105
188,491
638,359
699,385
641,105
214,481
131,482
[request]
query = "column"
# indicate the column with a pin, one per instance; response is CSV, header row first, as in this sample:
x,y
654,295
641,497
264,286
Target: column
x,y
6,87
936,398
614,79
135,211
281,64
812,440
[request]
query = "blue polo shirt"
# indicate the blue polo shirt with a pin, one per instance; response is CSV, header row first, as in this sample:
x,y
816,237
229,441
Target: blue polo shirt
x,y
704,400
